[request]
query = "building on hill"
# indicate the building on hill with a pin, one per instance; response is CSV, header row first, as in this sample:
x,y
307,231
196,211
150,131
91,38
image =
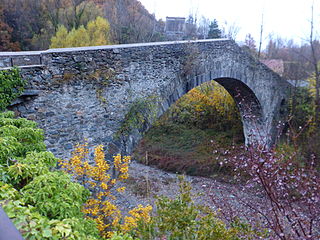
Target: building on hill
x,y
175,28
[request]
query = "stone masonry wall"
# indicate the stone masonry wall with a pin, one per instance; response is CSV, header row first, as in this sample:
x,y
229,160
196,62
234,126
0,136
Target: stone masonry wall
x,y
87,93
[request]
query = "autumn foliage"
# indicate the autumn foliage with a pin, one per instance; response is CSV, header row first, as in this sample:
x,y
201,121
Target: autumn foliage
x,y
103,186
181,140
6,42
206,106
96,33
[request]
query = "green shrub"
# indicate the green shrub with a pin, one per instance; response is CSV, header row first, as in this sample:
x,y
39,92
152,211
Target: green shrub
x,y
9,149
48,205
7,192
18,137
33,225
11,86
31,139
26,169
4,176
55,196
7,119
6,114
21,173
45,158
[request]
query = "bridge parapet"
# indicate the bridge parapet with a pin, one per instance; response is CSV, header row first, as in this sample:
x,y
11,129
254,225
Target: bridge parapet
x,y
29,58
20,59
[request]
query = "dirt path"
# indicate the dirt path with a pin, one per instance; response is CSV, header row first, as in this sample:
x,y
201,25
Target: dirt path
x,y
147,182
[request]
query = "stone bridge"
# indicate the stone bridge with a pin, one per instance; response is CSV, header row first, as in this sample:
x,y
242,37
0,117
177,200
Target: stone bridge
x,y
112,94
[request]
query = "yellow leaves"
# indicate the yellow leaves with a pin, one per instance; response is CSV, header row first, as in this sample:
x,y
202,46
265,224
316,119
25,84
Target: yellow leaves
x,y
122,166
207,105
59,39
121,189
96,33
129,223
117,161
139,213
95,176
104,186
312,83
99,172
99,30
212,96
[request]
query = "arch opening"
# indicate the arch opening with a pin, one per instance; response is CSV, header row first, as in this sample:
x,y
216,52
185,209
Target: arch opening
x,y
248,105
178,142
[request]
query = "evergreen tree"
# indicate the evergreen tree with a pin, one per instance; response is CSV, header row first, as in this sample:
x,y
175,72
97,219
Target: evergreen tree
x,y
214,31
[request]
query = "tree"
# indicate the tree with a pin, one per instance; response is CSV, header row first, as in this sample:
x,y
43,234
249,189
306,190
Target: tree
x,y
71,14
24,18
273,47
315,52
130,22
96,33
191,27
214,31
203,29
6,43
230,30
51,8
59,40
261,35
77,10
250,42
99,32
250,45
290,208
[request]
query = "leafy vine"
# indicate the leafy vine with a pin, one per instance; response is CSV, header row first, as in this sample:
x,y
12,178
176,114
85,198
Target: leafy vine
x,y
141,111
11,86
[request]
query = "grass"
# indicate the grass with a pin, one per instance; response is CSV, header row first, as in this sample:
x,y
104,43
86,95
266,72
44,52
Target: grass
x,y
186,149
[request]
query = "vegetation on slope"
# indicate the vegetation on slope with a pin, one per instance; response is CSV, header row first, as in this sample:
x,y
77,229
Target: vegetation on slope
x,y
194,135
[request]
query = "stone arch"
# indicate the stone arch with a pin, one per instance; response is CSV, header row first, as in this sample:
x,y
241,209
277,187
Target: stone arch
x,y
250,109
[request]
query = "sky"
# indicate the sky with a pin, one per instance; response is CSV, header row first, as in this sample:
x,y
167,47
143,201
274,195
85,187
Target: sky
x,y
289,19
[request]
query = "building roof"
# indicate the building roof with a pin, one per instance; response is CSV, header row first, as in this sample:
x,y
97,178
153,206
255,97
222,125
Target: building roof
x,y
277,65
